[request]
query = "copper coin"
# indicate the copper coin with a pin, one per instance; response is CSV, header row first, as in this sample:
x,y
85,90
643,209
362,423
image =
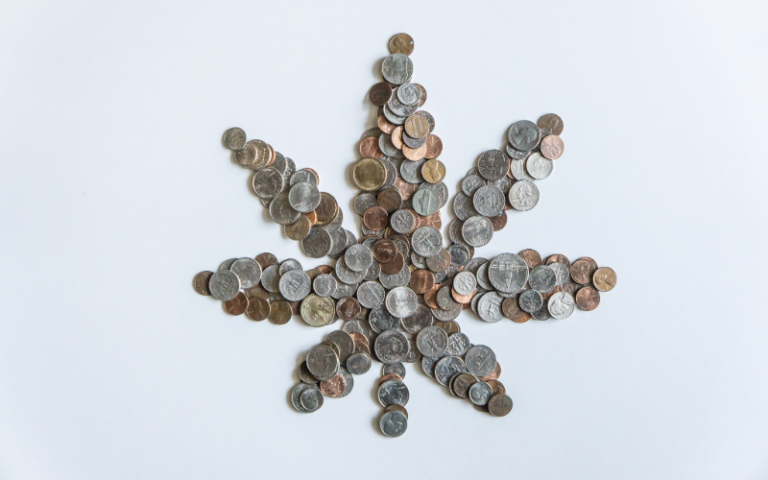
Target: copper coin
x,y
280,312
380,94
236,306
531,257
256,292
422,281
449,327
265,260
511,309
397,137
551,122
327,269
604,279
414,154
416,126
498,223
548,294
348,308
389,199
572,288
435,220
299,229
552,147
434,146
359,338
423,92
363,348
587,298
496,373
375,218
590,260
312,216
395,265
327,210
430,298
464,300
258,309
384,251
582,271
433,171
369,148
369,174
496,386
401,43
390,376
462,384
295,308
384,125
406,189
200,282
334,387
397,407
559,258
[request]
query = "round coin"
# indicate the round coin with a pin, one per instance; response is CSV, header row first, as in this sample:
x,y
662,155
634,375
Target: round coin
x,y
561,305
587,299
480,360
552,147
499,405
401,43
224,285
604,279
200,282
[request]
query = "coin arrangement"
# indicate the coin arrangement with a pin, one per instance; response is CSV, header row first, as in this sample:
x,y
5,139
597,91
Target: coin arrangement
x,y
398,290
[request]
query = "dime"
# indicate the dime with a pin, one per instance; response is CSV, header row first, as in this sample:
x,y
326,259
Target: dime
x,y
380,94
582,271
542,279
322,362
587,298
393,423
246,155
433,171
480,393
552,147
224,285
401,43
248,271
359,363
464,283
480,360
538,166
562,273
489,201
523,195
364,201
551,123
317,311
471,184
234,138
397,68
296,396
524,135
304,175
604,279
311,399
200,282
280,312
432,341
561,305
236,306
499,405
493,165
369,174
477,231
335,387
403,221
458,344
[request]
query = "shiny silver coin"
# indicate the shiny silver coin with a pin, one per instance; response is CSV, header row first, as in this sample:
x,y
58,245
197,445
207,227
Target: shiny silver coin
x,y
480,360
413,353
489,201
396,368
322,362
428,366
419,320
401,302
480,392
530,301
270,278
464,283
489,307
471,183
524,135
358,363
343,289
523,195
426,202
474,264
475,301
248,271
370,294
397,69
538,166
477,231
304,197
234,138
418,261
402,221
408,93
339,239
303,176
281,210
295,285
391,346
458,344
381,320
503,184
411,171
317,244
447,367
482,277
347,275
561,305
290,264
224,285
426,241
542,279
508,273
493,165
399,108
432,341
454,232
393,392
324,285
358,258
517,167
463,207
350,382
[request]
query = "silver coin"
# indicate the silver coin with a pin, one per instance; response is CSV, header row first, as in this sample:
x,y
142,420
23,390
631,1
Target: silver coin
x,y
413,353
523,195
474,264
411,171
358,363
541,314
290,264
561,305
508,273
397,68
402,221
267,183
295,285
381,320
458,344
517,167
373,272
290,169
493,165
440,188
344,289
304,197
418,261
248,271
439,263
396,368
227,264
429,117
414,142
392,117
303,176
386,146
475,301
234,138
542,279
336,223
322,362
503,184
402,245
224,285
562,273
516,154
432,341
358,258
530,301
477,231
480,392
350,382
480,360
538,166
426,241
393,423
358,326
482,277
393,280
454,232
347,275
399,108
281,210
489,201
364,201
339,241
317,244
246,156
270,278
464,283
463,206
426,202
370,294
324,285
311,399
345,343
471,183
279,163
447,367
408,93
460,254
393,392
446,315
401,302
428,365
444,299
419,320
489,307
524,135
391,346
296,396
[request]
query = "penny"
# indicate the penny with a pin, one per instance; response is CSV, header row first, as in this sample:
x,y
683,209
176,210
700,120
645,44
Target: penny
x,y
604,279
359,338
385,126
524,135
499,405
434,146
551,123
496,386
552,147
511,309
395,265
224,285
495,373
384,251
422,281
499,222
449,327
582,271
369,174
327,210
587,298
415,153
558,258
397,137
299,229
258,309
369,147
532,257
280,312
236,306
265,260
375,218
380,94
334,387
200,282
401,43
433,171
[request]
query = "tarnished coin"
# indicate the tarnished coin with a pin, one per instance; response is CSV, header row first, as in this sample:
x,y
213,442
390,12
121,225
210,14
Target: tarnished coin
x,y
582,271
364,201
604,279
234,138
267,183
434,146
523,195
524,135
393,392
335,387
322,362
393,267
359,363
587,298
538,166
299,229
318,243
422,281
380,94
460,254
419,320
200,282
401,302
345,343
258,309
265,260
381,320
530,301
532,257
561,305
391,346
489,201
552,147
369,148
416,126
393,423
296,396
551,123
432,341
389,199
477,231
511,309
236,306
480,393
224,285
397,68
401,43
248,271
433,171
280,312
463,206
328,210
305,375
246,155
480,360
463,383
369,174
394,368
542,279
493,165
375,218
317,311
499,405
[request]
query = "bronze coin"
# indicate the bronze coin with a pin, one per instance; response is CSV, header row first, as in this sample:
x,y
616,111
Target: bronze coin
x,y
406,189
546,295
390,376
401,43
552,147
559,258
380,94
496,373
397,137
511,309
280,312
327,269
200,282
423,91
363,348
462,384
572,288
582,271
295,308
369,174
435,220
531,257
395,265
499,405
604,279
236,306
397,407
298,229
496,386
312,216
327,210
358,337
369,148
414,154
464,300
389,199
440,261
375,218
422,281
434,146
334,387
347,308
258,309
430,298
498,223
416,126
256,292
449,327
590,260
384,251
385,126
433,171
551,122
265,260
587,299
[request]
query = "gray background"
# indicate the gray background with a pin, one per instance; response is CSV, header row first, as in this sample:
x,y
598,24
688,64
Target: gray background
x,y
116,191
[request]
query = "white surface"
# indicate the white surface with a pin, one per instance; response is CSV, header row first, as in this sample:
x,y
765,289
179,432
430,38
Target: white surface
x,y
116,191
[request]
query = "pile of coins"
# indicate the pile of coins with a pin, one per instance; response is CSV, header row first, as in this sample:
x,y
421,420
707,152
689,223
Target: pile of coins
x,y
292,196
393,394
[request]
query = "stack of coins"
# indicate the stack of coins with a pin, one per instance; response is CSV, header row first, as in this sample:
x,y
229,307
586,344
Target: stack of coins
x,y
323,374
292,196
393,394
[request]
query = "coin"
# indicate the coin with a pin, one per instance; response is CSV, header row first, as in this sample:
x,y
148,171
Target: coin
x,y
434,146
416,126
582,271
523,195
524,135
359,363
234,138
369,174
236,306
281,210
200,282
587,298
604,279
393,423
248,271
551,123
552,147
499,405
538,166
489,201
401,43
389,199
299,229
224,285
384,251
391,346
463,206
334,388
493,165
426,202
477,231
317,243
258,309
311,399
447,367
380,94
280,312
317,311
397,68
561,305
530,301
364,201
267,183
542,279
401,302
432,341
480,393
265,260
433,171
